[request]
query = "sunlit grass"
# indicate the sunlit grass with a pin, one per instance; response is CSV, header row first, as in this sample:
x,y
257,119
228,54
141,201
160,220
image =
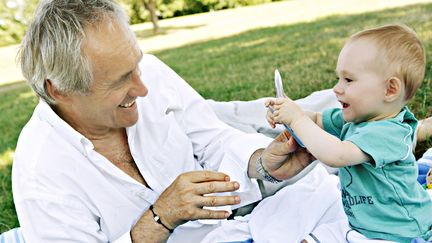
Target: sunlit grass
x,y
8,218
6,158
16,107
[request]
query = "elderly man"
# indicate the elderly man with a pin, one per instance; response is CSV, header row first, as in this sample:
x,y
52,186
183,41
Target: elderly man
x,y
119,147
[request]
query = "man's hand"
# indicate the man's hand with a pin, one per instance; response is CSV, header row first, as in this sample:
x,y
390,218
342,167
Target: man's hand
x,y
283,159
185,198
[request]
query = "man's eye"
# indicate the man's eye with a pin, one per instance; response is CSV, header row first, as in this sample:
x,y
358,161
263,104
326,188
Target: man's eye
x,y
128,77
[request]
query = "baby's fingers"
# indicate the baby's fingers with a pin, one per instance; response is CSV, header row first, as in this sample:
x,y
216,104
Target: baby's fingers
x,y
269,102
269,118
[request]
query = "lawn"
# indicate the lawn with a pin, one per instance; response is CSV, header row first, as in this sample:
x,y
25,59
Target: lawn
x,y
241,68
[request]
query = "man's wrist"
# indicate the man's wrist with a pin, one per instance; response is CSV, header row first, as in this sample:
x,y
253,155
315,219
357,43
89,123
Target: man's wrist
x,y
263,172
158,220
144,231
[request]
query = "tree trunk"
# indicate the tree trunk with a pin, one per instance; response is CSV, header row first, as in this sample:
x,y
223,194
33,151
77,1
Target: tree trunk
x,y
150,5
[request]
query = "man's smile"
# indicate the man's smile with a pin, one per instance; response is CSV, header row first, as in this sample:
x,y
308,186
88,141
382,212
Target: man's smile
x,y
127,105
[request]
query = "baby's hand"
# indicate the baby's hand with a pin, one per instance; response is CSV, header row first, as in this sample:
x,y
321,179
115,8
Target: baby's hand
x,y
285,111
269,116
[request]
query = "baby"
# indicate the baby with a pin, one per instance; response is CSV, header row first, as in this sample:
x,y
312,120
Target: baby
x,y
370,138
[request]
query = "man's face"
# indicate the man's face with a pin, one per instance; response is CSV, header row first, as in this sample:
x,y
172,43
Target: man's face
x,y
362,81
114,56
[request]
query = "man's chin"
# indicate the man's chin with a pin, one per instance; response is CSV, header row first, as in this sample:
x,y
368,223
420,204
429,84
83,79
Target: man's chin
x,y
129,122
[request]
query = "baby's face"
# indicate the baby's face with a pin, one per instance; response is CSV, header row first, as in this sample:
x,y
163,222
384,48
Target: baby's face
x,y
362,81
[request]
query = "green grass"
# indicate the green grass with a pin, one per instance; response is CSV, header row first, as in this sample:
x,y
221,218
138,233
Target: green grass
x,y
16,107
241,68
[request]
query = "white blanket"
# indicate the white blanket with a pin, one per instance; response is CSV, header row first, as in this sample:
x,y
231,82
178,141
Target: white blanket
x,y
290,215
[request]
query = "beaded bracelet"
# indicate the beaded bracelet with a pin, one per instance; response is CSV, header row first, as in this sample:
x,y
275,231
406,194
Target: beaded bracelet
x,y
158,220
263,172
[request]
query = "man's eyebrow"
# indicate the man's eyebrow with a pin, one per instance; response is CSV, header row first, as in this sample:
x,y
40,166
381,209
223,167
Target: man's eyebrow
x,y
126,75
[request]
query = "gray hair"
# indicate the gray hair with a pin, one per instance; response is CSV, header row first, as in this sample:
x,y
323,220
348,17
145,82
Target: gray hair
x,y
51,48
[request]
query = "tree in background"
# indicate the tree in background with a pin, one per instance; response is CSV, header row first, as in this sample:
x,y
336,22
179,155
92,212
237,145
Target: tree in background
x,y
144,10
152,10
151,7
15,15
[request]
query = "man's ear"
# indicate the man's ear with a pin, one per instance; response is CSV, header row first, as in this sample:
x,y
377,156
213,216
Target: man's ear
x,y
54,92
394,88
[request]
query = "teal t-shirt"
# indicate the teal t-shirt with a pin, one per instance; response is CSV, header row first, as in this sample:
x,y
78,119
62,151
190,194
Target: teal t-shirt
x,y
382,198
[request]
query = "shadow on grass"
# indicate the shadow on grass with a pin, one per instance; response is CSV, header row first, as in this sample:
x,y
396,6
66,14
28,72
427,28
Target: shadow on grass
x,y
140,34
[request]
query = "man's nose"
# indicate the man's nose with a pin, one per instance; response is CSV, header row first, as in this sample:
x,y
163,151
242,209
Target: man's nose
x,y
138,88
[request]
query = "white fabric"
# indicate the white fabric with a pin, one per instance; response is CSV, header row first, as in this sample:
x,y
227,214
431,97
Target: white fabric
x,y
426,159
65,191
315,199
289,215
356,237
339,232
12,236
310,209
230,231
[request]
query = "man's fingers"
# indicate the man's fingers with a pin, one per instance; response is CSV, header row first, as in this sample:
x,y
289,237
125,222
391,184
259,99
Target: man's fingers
x,y
216,186
292,143
284,144
205,175
287,135
213,201
211,214
283,136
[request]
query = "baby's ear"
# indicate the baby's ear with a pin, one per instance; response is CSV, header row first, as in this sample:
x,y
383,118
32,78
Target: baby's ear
x,y
394,88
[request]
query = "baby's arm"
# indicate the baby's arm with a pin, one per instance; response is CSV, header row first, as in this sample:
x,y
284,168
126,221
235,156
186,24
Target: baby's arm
x,y
316,117
424,129
322,145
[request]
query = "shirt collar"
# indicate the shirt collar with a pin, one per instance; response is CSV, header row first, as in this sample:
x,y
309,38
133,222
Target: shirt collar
x,y
76,139
408,117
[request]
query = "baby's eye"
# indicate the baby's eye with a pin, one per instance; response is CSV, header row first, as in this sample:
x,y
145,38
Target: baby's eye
x,y
348,80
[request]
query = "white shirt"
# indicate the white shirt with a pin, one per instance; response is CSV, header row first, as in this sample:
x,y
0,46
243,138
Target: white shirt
x,y
66,191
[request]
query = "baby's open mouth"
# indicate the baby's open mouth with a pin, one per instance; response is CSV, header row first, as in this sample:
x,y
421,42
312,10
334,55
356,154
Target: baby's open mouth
x,y
344,105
